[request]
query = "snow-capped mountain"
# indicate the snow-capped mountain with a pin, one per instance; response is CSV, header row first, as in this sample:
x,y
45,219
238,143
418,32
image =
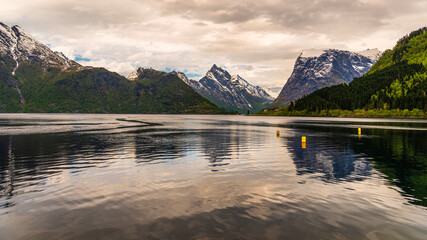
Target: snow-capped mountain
x,y
315,69
20,46
16,47
34,78
229,92
374,54
133,76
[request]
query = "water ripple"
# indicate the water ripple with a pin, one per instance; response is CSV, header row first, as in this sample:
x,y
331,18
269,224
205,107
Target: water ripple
x,y
203,177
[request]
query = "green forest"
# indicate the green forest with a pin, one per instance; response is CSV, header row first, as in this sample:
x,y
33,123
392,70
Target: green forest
x,y
95,90
396,86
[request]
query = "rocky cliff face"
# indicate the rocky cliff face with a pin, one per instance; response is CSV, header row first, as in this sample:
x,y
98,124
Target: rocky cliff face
x,y
33,78
20,46
315,69
229,92
16,48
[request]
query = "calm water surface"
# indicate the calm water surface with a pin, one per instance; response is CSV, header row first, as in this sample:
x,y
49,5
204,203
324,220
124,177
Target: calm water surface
x,y
211,177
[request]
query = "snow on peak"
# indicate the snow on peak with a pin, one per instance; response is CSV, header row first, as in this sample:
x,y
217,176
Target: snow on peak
x,y
218,74
15,42
4,29
61,54
217,69
182,76
373,54
140,71
194,84
310,53
135,74
239,79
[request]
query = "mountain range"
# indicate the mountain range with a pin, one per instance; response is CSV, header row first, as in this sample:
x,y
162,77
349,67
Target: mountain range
x,y
232,93
398,80
33,78
316,69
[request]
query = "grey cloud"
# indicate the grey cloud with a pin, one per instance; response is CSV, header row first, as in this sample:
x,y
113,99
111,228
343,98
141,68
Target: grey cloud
x,y
215,11
245,67
200,24
194,34
298,16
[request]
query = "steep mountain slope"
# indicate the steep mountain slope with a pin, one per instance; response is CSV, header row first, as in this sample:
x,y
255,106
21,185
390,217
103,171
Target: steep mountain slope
x,y
20,46
165,92
315,69
35,79
397,80
17,47
231,93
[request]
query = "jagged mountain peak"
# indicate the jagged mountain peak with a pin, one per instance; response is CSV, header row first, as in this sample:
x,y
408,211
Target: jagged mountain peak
x,y
217,68
47,81
61,54
315,69
218,74
179,73
316,53
230,92
238,77
18,30
214,67
4,28
183,77
8,28
138,72
194,84
372,54
21,46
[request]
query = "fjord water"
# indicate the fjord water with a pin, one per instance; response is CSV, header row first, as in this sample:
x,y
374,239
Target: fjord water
x,y
69,176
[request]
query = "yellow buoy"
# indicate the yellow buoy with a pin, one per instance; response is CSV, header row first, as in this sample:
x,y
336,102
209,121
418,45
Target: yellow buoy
x,y
359,130
303,145
303,139
278,133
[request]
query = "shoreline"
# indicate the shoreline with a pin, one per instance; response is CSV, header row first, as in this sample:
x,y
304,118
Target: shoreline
x,y
209,114
357,113
313,116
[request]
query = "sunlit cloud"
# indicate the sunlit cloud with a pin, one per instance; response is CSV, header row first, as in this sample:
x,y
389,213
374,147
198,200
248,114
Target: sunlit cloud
x,y
259,40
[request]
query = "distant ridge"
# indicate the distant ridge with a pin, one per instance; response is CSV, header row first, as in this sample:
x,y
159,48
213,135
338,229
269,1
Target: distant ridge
x,y
232,93
33,78
315,69
398,80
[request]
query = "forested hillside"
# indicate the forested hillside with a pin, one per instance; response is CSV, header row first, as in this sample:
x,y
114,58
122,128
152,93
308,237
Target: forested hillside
x,y
397,81
33,78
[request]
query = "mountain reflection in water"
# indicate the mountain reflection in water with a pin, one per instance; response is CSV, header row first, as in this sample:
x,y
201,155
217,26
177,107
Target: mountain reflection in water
x,y
192,177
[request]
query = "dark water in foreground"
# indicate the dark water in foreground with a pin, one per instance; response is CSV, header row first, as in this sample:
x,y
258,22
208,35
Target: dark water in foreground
x,y
205,177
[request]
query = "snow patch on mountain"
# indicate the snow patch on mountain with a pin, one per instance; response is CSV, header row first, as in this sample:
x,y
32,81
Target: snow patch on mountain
x,y
310,53
61,54
230,92
315,69
374,54
20,46
135,74
12,51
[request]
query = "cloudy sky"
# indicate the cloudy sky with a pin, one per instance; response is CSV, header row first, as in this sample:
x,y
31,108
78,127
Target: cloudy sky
x,y
259,40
